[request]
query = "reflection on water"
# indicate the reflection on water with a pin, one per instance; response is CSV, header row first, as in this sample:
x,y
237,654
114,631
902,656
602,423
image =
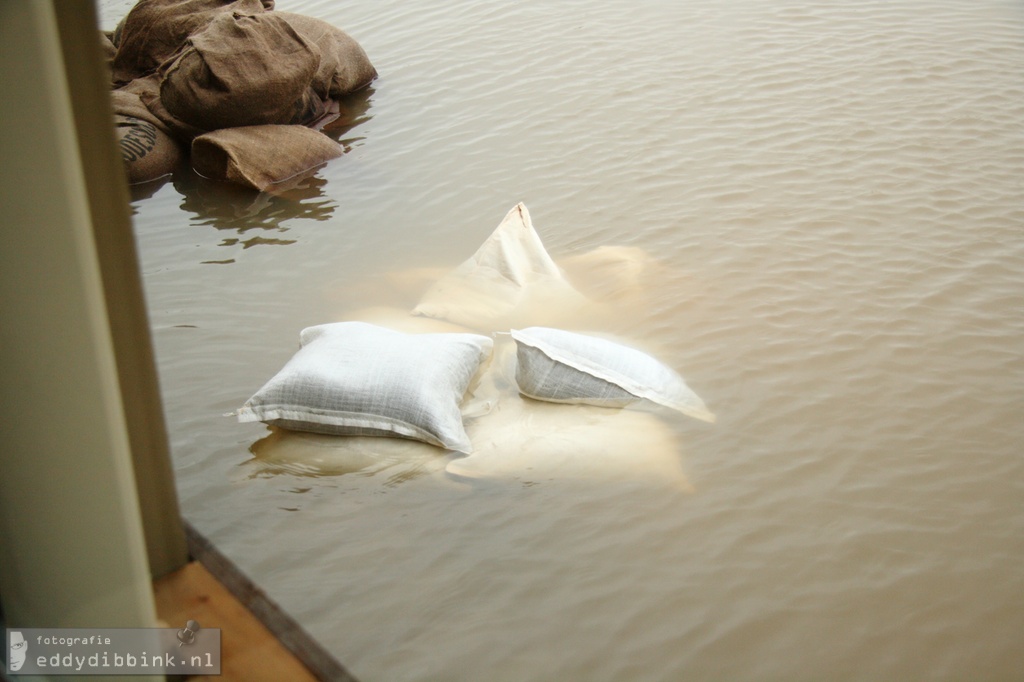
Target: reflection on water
x,y
240,209
392,460
354,110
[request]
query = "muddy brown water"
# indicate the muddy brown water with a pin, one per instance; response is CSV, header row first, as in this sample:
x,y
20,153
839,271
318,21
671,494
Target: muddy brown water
x,y
825,206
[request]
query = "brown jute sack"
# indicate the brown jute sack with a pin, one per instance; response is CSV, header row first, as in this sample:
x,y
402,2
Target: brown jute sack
x,y
240,70
344,65
147,150
260,156
148,90
107,45
154,30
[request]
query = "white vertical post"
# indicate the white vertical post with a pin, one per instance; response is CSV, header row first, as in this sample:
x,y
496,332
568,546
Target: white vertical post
x,y
72,552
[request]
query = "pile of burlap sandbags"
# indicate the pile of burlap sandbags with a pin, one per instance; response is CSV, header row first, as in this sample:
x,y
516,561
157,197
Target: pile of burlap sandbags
x,y
240,88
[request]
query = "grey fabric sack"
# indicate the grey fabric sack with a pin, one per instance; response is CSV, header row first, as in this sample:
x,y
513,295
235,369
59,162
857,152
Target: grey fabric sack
x,y
358,379
568,367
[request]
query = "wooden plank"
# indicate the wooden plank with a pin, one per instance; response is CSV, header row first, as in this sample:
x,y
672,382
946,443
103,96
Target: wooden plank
x,y
249,652
294,638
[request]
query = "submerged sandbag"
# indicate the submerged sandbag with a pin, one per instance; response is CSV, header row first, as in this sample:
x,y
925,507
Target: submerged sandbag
x,y
154,30
534,442
261,156
614,273
147,150
510,281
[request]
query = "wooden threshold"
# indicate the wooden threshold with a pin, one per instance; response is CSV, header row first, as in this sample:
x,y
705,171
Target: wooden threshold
x,y
258,640
248,649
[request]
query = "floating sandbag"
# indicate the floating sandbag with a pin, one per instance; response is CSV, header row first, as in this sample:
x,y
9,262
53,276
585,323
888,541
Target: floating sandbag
x,y
155,30
358,379
261,156
567,367
481,395
509,281
534,442
392,460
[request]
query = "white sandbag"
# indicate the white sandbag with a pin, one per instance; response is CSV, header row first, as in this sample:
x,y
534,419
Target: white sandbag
x,y
617,283
568,367
476,401
354,378
535,442
510,281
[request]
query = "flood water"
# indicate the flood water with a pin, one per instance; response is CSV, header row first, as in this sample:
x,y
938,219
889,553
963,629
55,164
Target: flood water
x,y
827,200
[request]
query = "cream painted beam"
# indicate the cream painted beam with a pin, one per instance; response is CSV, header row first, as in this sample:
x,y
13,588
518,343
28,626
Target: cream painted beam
x,y
72,550
88,81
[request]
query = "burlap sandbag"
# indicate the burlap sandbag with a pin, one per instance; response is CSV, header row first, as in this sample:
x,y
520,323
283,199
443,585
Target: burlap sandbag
x,y
148,151
344,65
155,30
108,47
261,156
242,69
211,65
148,90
